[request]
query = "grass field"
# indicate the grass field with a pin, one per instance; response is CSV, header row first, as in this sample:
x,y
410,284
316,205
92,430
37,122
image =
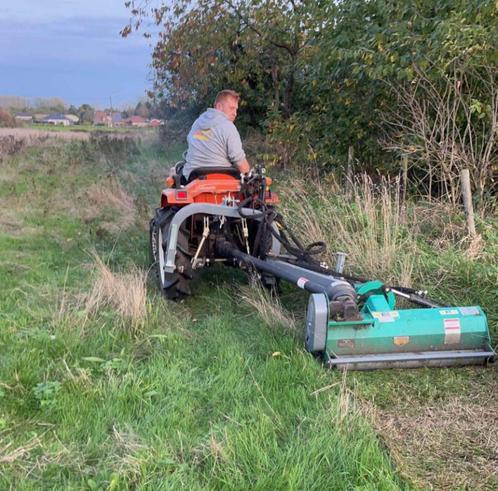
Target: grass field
x,y
90,128
103,385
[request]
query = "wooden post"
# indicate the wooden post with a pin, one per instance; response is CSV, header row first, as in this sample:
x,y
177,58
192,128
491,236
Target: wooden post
x,y
467,202
349,171
404,178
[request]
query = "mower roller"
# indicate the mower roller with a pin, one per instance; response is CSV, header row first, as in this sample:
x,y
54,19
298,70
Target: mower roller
x,y
351,323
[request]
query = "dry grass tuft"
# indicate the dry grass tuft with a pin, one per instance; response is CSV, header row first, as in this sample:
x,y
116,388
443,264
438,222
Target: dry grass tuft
x,y
130,453
125,292
109,197
368,224
268,307
9,455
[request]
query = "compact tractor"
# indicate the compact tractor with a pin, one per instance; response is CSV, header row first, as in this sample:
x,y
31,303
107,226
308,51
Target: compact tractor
x,y
219,215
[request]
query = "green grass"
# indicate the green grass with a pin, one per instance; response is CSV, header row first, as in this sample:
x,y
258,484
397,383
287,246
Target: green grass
x,y
209,393
202,395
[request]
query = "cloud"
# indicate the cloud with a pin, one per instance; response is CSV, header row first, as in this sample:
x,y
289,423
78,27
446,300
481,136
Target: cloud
x,y
33,12
76,58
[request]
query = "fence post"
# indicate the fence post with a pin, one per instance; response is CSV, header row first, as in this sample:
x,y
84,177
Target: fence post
x,y
349,171
467,202
404,178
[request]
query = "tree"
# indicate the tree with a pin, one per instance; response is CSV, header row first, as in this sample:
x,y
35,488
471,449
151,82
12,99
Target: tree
x,y
251,46
142,110
86,113
50,104
321,77
6,119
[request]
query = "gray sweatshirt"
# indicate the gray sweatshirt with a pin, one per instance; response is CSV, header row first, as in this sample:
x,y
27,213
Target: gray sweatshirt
x,y
213,141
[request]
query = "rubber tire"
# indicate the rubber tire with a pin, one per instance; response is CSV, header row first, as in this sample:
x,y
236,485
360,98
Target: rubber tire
x,y
174,286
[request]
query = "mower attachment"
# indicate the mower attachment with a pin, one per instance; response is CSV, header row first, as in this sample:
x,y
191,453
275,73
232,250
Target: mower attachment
x,y
385,337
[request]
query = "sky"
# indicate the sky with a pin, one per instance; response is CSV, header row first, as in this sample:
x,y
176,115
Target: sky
x,y
72,49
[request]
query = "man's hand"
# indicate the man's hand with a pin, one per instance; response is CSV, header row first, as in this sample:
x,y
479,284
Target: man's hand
x,y
243,166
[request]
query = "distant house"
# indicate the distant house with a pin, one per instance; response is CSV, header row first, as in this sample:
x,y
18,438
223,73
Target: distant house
x,y
39,117
101,118
56,118
73,118
138,121
107,119
155,123
117,119
25,117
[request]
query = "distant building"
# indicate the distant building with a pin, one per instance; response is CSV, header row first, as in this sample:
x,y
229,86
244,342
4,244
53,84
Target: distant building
x,y
101,118
107,119
117,119
25,117
72,118
56,118
156,122
138,121
39,117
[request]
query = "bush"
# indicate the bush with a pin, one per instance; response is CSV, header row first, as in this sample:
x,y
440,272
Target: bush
x,y
6,119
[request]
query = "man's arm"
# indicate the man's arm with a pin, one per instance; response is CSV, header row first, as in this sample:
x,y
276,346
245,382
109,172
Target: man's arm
x,y
243,166
235,152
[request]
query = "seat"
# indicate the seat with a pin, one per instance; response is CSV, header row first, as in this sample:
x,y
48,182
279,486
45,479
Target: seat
x,y
201,172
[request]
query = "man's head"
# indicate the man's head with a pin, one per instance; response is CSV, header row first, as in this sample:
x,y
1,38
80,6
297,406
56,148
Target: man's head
x,y
227,101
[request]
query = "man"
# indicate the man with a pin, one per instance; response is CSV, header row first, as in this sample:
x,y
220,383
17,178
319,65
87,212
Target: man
x,y
213,140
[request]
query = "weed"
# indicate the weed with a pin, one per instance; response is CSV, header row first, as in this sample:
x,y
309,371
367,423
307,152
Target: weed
x,y
368,226
46,393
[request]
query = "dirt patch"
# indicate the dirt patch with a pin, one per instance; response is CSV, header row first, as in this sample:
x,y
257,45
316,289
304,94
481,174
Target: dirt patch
x,y
449,445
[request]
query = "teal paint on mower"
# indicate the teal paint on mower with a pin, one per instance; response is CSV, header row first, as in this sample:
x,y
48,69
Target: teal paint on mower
x,y
384,337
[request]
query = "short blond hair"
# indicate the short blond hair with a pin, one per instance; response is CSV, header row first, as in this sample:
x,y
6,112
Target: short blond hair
x,y
226,94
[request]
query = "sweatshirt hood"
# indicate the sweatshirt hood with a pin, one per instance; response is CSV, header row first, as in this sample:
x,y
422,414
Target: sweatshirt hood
x,y
212,117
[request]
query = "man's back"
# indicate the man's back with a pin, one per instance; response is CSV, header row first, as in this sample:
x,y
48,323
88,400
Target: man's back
x,y
213,140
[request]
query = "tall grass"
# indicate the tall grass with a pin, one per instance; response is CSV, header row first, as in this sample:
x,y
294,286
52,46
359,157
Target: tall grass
x,y
368,224
125,292
268,307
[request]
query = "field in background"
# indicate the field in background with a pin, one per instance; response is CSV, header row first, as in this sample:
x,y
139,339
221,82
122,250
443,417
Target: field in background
x,y
103,385
73,132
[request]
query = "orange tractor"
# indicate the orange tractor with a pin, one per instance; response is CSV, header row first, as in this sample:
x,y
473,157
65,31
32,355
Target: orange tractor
x,y
221,216
217,205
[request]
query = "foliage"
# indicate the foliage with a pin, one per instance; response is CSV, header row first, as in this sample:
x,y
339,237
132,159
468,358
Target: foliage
x,y
6,119
86,113
321,77
46,393
49,104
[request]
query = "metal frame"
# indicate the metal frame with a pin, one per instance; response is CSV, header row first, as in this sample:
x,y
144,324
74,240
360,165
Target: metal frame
x,y
206,209
413,360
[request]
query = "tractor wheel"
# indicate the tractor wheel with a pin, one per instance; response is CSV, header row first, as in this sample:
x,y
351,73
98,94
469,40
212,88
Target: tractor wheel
x,y
174,286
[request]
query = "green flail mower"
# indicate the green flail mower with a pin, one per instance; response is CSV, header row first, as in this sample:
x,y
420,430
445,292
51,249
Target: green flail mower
x,y
351,323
